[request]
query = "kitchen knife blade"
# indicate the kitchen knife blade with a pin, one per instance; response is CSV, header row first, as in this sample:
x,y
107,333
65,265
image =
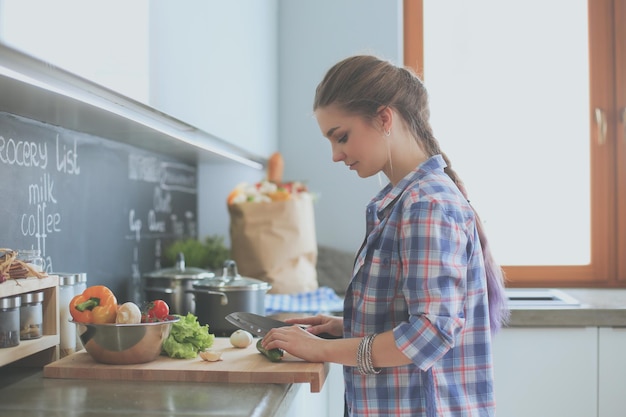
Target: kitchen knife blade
x,y
254,323
259,325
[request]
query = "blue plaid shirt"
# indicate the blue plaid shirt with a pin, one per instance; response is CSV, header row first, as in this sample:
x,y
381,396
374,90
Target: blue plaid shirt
x,y
420,272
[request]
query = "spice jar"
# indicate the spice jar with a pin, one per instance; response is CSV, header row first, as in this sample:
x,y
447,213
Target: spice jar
x,y
67,345
32,257
31,316
10,321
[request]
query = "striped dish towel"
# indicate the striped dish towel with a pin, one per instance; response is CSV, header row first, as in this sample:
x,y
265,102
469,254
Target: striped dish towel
x,y
322,300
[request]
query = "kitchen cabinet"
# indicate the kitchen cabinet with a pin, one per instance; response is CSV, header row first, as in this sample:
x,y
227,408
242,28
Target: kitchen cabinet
x,y
327,403
35,352
550,371
612,371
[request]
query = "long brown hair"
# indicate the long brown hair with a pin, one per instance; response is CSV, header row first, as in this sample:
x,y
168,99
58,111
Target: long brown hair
x,y
361,84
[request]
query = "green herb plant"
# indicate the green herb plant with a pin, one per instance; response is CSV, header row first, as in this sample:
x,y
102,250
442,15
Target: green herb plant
x,y
208,254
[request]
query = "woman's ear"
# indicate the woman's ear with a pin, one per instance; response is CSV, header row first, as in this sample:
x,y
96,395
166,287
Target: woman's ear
x,y
385,117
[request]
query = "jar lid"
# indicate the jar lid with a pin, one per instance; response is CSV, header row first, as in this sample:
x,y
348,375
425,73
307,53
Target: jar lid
x,y
10,302
32,297
66,278
28,253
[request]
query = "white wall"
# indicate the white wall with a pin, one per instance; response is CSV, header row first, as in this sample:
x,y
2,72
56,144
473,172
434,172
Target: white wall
x,y
313,36
214,65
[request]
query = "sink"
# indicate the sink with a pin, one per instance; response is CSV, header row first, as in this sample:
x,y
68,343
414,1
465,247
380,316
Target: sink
x,y
539,297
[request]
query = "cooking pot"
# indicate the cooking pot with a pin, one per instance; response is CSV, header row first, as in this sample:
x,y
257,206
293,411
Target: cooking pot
x,y
217,297
171,285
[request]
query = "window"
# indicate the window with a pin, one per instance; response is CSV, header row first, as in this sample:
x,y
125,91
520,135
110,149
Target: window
x,y
530,106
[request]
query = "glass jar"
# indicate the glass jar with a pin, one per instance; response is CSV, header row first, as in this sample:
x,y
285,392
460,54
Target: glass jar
x,y
79,287
81,283
32,257
10,321
31,316
67,345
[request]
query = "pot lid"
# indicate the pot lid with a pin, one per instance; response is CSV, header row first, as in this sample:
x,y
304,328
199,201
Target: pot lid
x,y
187,273
231,280
179,271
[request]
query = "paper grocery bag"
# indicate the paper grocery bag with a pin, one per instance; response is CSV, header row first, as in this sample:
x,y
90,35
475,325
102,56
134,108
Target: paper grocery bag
x,y
275,242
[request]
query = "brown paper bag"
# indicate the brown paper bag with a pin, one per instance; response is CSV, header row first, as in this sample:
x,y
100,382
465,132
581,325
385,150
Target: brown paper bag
x,y
275,242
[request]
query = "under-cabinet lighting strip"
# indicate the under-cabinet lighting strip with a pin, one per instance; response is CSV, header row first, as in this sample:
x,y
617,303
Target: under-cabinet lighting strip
x,y
65,84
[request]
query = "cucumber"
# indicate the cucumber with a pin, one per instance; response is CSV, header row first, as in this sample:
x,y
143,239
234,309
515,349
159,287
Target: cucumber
x,y
274,355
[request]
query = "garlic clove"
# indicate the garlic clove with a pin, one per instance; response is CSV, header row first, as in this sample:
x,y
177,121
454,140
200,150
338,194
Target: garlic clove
x,y
211,356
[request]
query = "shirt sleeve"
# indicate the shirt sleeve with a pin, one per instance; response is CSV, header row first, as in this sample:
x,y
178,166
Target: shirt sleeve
x,y
433,251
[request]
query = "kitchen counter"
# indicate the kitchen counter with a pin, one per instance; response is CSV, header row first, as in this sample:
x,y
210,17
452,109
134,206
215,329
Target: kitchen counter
x,y
25,392
597,307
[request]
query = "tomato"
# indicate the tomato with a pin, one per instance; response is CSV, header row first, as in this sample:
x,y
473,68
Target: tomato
x,y
157,310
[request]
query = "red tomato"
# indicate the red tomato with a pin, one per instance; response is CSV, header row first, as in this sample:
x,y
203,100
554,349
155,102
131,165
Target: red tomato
x,y
158,310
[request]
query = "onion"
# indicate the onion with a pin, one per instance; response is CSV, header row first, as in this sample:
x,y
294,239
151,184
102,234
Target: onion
x,y
241,339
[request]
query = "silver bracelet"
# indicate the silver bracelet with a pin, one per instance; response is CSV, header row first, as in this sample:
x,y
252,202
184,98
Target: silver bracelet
x,y
364,361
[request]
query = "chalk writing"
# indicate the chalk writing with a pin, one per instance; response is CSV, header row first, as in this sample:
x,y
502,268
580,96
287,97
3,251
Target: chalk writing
x,y
42,192
84,201
178,177
23,153
162,201
155,225
143,168
135,225
67,158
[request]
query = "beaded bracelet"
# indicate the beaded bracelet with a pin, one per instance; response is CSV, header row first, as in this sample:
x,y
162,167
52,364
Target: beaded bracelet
x,y
364,361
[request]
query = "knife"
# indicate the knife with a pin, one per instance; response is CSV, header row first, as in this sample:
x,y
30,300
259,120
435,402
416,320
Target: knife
x,y
260,325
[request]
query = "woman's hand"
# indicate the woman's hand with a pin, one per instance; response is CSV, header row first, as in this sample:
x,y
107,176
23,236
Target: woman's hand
x,y
296,341
320,324
303,342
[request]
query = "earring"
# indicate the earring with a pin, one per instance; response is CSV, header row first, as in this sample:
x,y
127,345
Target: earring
x,y
387,133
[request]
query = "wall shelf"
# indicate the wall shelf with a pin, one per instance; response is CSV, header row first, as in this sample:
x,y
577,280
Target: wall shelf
x,y
36,352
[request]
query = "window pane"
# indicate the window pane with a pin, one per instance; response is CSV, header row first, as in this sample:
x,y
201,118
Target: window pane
x,y
509,95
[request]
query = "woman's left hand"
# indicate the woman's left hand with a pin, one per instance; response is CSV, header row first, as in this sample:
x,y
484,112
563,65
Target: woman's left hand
x,y
296,341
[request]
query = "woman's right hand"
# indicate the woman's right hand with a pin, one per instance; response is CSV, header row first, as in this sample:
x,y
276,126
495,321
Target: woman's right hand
x,y
319,324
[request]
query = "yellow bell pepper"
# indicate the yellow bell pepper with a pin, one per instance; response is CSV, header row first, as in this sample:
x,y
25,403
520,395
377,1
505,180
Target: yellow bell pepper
x,y
97,304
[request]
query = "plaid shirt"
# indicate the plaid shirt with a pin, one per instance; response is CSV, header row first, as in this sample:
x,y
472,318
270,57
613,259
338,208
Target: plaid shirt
x,y
420,272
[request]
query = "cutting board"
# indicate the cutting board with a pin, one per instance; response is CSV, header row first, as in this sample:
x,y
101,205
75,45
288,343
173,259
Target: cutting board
x,y
237,366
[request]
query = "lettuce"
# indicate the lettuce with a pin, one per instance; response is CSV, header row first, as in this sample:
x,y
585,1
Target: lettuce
x,y
187,337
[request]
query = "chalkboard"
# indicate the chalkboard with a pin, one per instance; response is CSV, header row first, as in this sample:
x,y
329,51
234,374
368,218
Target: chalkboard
x,y
90,204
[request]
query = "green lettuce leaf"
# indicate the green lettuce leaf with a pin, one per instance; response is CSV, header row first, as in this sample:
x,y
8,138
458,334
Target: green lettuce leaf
x,y
187,337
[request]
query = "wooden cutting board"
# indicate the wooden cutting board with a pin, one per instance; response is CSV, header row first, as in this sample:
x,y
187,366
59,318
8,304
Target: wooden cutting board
x,y
237,366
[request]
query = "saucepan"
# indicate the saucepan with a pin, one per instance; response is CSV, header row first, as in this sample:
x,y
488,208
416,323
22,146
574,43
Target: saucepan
x,y
217,297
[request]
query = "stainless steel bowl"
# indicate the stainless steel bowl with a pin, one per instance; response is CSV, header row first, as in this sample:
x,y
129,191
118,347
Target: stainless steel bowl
x,y
124,344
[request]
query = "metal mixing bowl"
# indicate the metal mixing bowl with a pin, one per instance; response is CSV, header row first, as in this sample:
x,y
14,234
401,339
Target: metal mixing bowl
x,y
124,344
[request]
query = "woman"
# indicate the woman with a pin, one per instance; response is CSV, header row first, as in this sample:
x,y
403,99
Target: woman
x,y
425,295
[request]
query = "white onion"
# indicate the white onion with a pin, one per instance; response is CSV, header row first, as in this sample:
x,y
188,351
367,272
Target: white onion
x,y
241,339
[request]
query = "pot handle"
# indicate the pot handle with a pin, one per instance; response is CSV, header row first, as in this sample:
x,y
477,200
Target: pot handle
x,y
223,297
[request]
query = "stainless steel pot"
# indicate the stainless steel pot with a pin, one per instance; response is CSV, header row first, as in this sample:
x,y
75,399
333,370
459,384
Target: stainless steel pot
x,y
217,297
172,285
